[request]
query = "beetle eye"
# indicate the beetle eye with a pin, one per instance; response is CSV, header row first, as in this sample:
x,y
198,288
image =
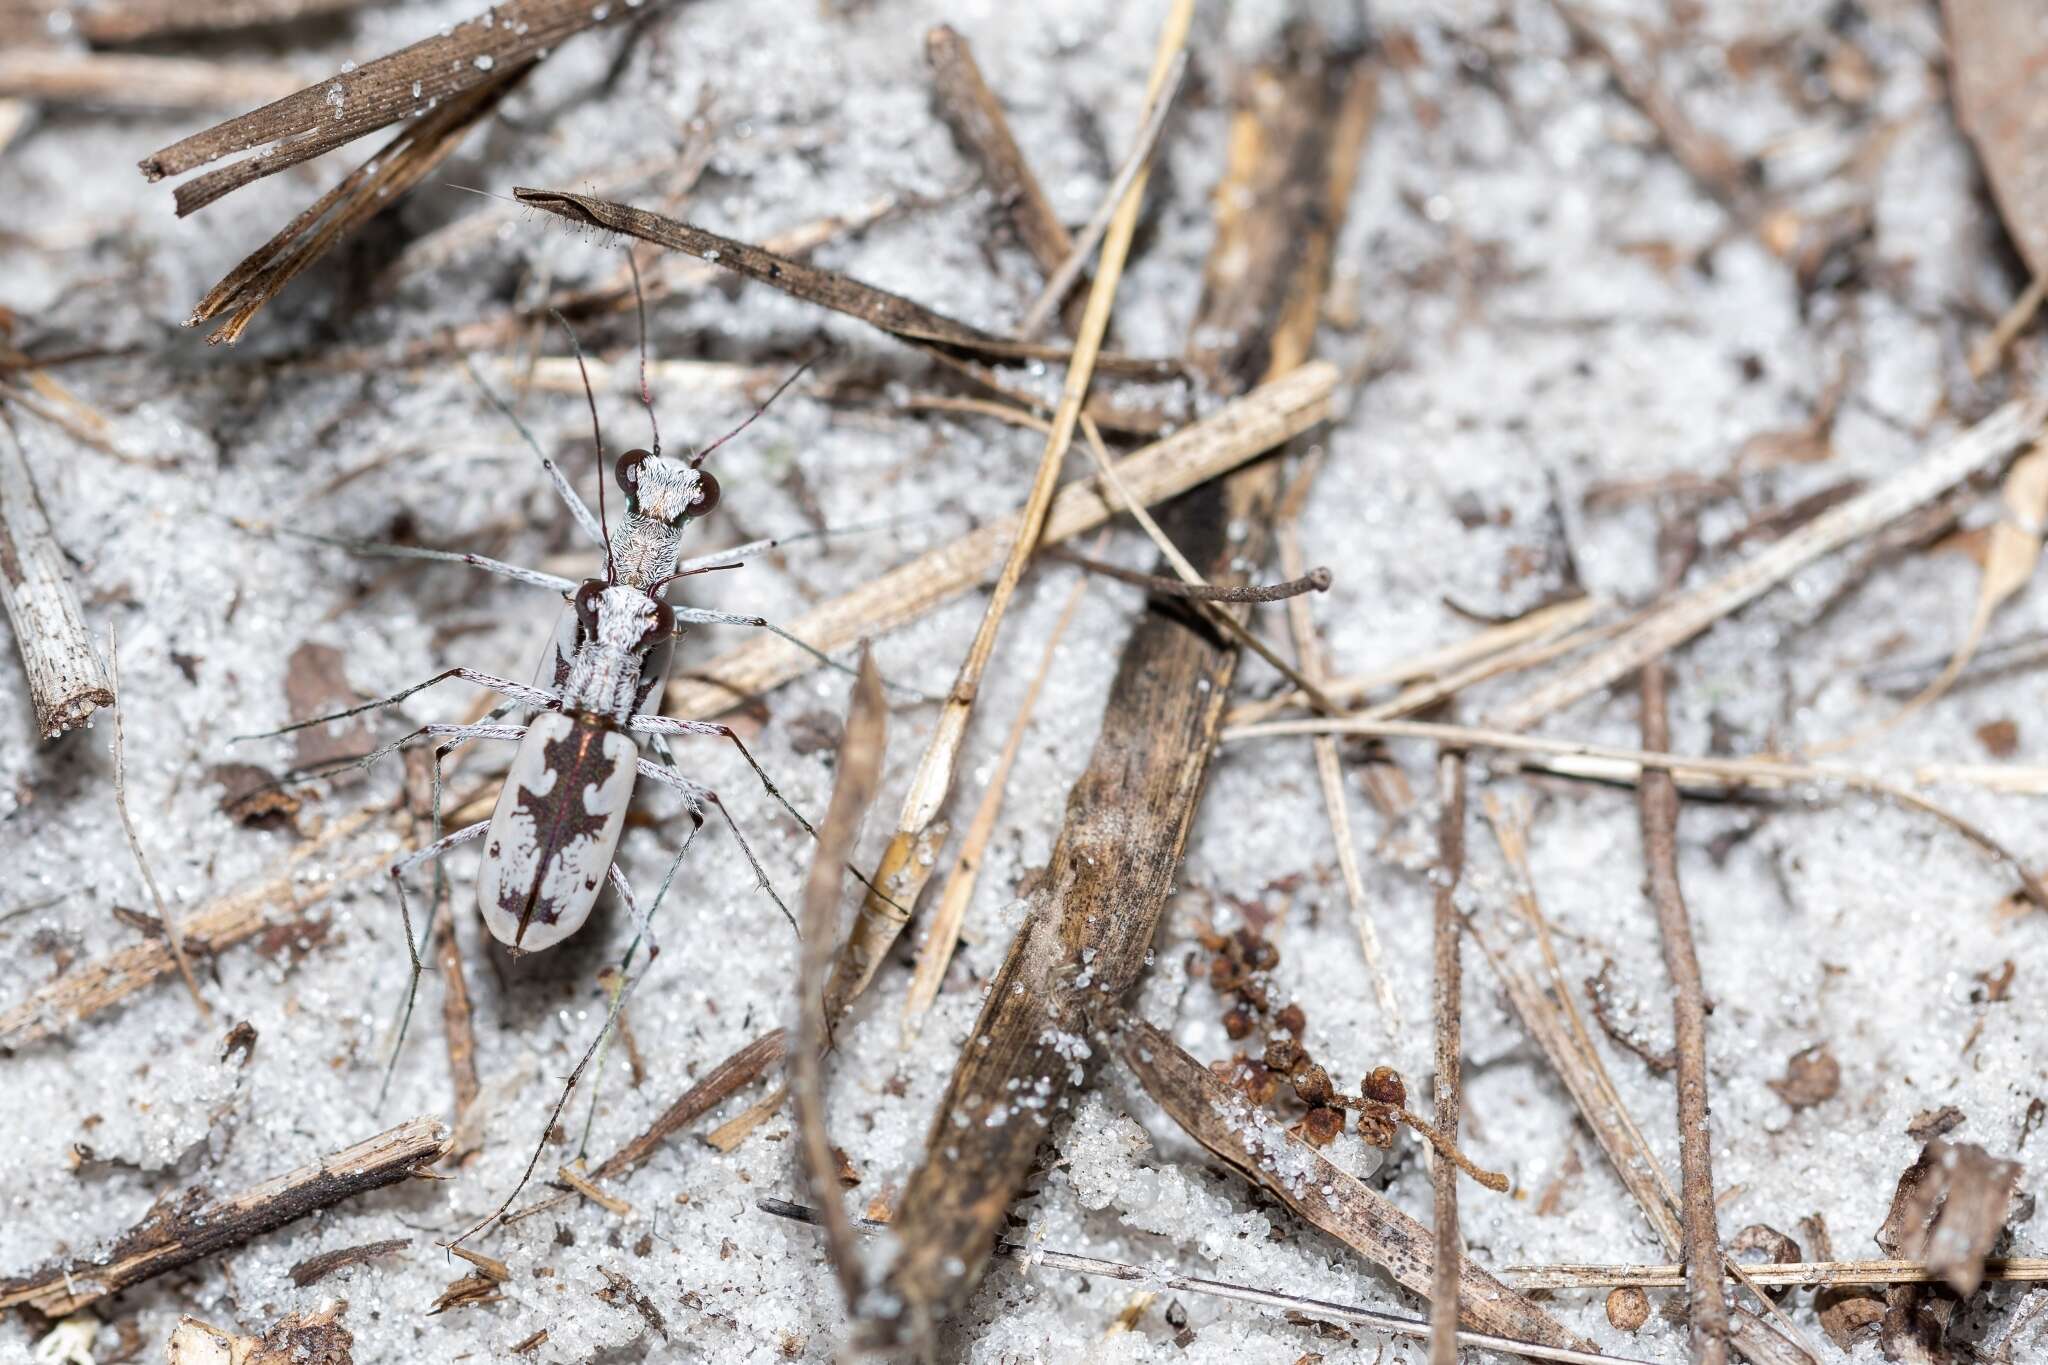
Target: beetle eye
x,y
628,472
707,495
586,601
661,627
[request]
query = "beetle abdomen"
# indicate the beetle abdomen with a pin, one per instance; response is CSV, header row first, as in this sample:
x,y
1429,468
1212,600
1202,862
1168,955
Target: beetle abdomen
x,y
555,829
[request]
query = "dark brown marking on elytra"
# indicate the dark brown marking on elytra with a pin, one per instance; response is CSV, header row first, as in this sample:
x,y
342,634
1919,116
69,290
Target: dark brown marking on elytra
x,y
579,762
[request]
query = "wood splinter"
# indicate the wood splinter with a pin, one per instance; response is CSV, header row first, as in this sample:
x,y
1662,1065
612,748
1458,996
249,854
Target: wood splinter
x,y
181,1229
66,680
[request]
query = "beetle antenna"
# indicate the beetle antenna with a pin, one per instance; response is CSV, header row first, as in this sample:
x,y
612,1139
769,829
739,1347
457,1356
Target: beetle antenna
x,y
697,460
646,395
597,436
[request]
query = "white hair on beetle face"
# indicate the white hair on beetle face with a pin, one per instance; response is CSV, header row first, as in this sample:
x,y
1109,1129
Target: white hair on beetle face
x,y
665,489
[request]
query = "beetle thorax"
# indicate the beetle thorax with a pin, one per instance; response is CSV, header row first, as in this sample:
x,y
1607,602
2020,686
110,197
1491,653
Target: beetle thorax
x,y
605,669
645,549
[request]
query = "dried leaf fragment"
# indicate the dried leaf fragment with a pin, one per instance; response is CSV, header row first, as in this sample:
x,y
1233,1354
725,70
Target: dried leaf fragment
x,y
1950,1207
313,1338
1812,1076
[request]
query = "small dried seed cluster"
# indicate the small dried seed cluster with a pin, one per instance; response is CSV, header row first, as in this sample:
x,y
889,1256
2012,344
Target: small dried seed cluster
x,y
1240,965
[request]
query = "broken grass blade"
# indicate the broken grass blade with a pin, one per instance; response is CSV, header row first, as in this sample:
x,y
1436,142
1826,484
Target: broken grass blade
x,y
857,773
1317,1189
1353,1314
1234,434
1689,613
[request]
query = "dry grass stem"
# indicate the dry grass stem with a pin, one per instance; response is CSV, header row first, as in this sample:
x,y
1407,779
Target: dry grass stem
x,y
282,896
1218,443
1686,615
1159,103
425,77
66,680
361,195
723,1081
1542,624
856,774
172,935
112,22
1799,1274
583,1185
1321,1192
1300,585
943,934
1294,1306
1658,797
1448,980
182,1230
976,117
1607,763
1308,652
1089,926
1991,348
131,81
900,317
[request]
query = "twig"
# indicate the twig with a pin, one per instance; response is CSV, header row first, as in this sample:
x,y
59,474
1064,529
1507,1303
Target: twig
x,y
857,773
1658,797
1291,1304
318,1267
586,1187
976,117
1090,926
1321,1192
1800,1274
1686,615
1544,623
1607,763
180,1231
1991,348
172,934
111,22
741,1069
1308,651
900,317
66,680
943,935
1159,105
1299,585
1448,1264
428,75
55,75
361,195
1220,442
87,989
1227,622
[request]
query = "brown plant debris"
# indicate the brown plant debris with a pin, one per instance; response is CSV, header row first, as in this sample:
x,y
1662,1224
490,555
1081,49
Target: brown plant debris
x,y
1295,1307
112,22
1998,82
306,1338
1321,1193
429,75
1197,453
1688,613
318,1267
1812,1076
623,1288
1091,922
1658,799
976,117
187,1227
900,317
1600,994
1448,984
1949,1209
66,680
857,772
735,1073
131,81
